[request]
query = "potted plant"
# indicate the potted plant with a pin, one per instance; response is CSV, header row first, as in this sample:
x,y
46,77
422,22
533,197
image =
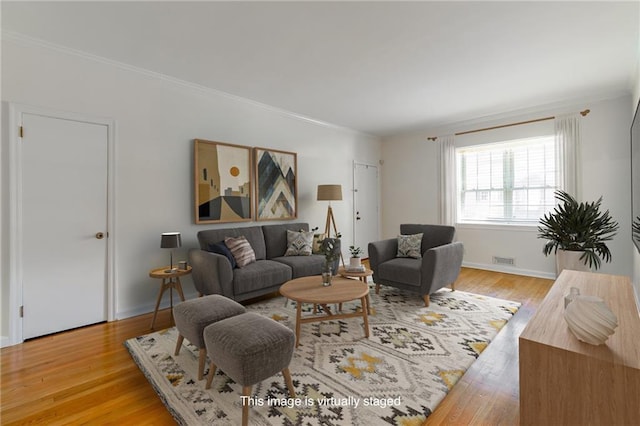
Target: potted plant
x,y
354,262
577,233
330,249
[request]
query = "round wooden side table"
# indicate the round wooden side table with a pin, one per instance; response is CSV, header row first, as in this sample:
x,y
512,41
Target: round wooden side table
x,y
170,280
361,275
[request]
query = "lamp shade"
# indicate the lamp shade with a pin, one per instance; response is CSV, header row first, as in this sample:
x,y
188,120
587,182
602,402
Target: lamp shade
x,y
329,192
170,240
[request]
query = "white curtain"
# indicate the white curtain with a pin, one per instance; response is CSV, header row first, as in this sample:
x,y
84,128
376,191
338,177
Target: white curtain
x,y
447,180
567,132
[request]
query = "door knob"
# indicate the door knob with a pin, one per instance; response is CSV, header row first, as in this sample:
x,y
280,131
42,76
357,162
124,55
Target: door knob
x,y
100,235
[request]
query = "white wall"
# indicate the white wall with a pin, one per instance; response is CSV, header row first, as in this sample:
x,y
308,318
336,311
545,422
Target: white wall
x,y
410,186
156,120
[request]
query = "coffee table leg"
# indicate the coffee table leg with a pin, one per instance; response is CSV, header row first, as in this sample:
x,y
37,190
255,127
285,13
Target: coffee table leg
x,y
298,321
365,316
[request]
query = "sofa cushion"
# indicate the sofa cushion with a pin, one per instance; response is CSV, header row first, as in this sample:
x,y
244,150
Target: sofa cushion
x,y
253,234
401,269
302,266
275,237
241,250
410,246
221,248
259,275
299,243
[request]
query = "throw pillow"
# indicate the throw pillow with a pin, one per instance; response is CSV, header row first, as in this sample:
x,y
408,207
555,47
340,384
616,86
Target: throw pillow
x,y
221,248
316,247
241,250
409,246
299,243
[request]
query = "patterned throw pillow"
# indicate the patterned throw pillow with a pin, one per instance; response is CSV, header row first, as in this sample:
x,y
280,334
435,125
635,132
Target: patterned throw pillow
x,y
409,246
299,243
241,250
316,247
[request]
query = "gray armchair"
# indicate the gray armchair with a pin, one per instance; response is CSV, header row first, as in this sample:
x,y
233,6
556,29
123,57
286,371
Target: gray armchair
x,y
439,266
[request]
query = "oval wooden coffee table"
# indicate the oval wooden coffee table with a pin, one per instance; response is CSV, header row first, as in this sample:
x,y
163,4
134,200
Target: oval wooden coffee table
x,y
310,290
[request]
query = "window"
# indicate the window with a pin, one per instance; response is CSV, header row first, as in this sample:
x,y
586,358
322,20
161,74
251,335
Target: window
x,y
508,182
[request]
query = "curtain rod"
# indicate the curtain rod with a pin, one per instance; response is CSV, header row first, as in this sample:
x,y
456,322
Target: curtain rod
x,y
433,138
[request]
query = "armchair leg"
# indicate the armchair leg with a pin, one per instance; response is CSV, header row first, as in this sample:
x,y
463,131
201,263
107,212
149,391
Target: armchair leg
x,y
453,286
426,300
377,288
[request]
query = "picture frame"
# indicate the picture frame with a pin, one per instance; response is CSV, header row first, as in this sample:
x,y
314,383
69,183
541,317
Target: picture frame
x,y
276,184
223,182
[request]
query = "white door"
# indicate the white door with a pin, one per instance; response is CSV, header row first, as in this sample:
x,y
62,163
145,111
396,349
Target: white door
x,y
365,202
64,210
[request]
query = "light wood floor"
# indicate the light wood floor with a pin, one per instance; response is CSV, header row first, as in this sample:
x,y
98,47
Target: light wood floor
x,y
86,376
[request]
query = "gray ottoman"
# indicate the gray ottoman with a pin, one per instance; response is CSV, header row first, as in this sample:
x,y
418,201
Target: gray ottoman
x,y
192,316
249,348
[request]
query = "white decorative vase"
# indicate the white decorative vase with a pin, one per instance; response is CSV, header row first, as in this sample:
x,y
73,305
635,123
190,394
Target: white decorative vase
x,y
567,259
590,319
354,263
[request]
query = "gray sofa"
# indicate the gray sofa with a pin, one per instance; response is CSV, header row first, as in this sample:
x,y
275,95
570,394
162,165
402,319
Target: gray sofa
x,y
439,266
212,273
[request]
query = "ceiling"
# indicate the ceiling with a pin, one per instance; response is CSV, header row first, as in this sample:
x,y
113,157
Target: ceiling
x,y
377,67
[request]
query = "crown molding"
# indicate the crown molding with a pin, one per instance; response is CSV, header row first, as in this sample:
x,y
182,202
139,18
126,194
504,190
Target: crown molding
x,y
17,37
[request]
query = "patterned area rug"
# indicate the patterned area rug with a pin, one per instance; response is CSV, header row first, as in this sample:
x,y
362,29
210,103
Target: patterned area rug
x,y
398,376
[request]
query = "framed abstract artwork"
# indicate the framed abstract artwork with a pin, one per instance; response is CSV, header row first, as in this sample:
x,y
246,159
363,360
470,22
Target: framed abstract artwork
x,y
276,184
223,182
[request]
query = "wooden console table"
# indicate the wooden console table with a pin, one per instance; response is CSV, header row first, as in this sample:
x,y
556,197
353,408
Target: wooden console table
x,y
565,381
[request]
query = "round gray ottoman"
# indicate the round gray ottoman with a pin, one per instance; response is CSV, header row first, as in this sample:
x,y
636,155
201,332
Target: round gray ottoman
x,y
249,348
192,316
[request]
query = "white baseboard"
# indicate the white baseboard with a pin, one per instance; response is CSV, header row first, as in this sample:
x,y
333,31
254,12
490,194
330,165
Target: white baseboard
x,y
6,341
510,270
149,307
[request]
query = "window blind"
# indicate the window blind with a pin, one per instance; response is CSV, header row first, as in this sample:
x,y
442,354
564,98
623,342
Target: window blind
x,y
506,182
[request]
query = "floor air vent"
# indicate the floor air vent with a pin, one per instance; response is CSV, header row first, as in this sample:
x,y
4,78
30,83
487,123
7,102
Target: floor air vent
x,y
498,260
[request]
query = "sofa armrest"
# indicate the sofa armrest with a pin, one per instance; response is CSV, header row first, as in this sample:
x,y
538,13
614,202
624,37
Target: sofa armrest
x,y
381,251
211,273
441,266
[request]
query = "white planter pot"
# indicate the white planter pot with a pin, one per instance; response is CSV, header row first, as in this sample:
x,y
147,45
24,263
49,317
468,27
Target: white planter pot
x,y
566,259
354,262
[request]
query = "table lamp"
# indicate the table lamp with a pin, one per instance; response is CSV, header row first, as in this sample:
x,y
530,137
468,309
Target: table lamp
x,y
170,240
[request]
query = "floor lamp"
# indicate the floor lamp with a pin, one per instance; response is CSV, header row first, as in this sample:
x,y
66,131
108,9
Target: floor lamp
x,y
330,193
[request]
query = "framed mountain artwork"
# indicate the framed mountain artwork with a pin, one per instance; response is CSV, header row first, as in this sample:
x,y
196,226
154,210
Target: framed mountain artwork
x,y
276,184
223,182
